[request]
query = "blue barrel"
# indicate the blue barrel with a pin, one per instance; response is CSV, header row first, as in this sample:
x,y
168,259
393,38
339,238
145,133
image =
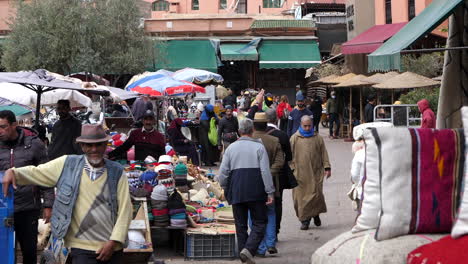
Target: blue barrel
x,y
7,231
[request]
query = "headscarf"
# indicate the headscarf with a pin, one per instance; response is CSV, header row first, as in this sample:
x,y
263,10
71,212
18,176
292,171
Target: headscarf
x,y
208,113
306,134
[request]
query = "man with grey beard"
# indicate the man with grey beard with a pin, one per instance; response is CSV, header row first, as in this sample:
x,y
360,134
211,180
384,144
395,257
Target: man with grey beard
x,y
92,209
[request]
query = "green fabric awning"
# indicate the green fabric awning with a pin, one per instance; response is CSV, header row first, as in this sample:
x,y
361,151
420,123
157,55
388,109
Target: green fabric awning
x,y
16,109
179,54
238,52
289,54
387,57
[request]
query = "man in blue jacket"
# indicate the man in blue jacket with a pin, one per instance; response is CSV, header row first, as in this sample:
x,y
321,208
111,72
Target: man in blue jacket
x,y
246,179
294,119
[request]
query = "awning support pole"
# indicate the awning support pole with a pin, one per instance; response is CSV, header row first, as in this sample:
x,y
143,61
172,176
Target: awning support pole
x,y
38,106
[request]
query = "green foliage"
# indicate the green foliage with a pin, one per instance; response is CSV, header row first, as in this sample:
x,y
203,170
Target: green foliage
x,y
429,65
432,95
68,36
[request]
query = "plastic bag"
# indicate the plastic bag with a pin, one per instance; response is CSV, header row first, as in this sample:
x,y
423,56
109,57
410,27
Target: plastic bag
x,y
213,132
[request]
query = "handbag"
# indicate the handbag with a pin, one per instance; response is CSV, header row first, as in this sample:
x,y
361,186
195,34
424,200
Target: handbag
x,y
291,182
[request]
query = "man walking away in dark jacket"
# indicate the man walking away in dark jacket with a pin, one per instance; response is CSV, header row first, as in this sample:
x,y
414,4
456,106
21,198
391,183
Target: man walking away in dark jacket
x,y
273,130
19,147
369,110
316,108
276,158
333,117
247,182
64,132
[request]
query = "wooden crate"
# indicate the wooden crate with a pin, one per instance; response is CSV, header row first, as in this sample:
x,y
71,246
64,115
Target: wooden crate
x,y
137,256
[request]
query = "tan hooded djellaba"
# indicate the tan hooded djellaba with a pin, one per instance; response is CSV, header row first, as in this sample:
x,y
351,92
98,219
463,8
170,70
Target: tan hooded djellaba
x,y
310,159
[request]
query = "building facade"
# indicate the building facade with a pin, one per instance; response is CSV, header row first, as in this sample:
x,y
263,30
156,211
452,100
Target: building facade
x,y
360,16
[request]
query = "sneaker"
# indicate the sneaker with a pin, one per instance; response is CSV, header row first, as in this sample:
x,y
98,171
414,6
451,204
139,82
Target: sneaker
x,y
272,250
317,221
246,257
260,255
305,225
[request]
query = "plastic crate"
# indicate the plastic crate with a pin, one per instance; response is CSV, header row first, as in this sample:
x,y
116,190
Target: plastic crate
x,y
7,231
202,246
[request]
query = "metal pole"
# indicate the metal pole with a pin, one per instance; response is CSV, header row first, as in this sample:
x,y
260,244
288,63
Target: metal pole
x,y
433,50
350,111
361,116
38,105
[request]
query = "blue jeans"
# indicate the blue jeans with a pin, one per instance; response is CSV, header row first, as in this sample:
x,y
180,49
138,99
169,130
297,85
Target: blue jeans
x,y
269,240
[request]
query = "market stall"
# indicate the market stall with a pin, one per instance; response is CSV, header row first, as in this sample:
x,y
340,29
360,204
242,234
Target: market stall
x,y
185,206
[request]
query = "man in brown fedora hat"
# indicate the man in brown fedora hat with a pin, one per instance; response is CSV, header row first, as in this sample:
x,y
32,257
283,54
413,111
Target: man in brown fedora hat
x,y
276,158
92,209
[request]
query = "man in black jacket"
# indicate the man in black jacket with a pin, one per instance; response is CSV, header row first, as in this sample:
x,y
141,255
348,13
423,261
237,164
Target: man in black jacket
x,y
19,147
316,108
273,130
64,133
369,110
227,129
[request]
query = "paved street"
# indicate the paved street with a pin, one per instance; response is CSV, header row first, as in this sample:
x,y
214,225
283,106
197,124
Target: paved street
x,y
296,246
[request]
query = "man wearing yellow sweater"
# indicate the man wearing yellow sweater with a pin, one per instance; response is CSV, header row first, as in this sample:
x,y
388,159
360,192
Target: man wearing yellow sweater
x,y
92,210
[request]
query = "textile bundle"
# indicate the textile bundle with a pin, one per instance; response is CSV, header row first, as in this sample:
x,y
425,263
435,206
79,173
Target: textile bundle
x,y
419,172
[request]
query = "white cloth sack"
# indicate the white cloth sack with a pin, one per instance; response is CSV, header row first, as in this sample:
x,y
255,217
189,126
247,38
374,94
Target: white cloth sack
x,y
349,248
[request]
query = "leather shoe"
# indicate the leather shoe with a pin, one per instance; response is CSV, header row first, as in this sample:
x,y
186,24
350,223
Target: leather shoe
x,y
317,221
305,225
272,250
246,256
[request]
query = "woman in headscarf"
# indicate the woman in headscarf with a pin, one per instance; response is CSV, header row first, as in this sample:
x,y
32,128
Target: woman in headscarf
x,y
181,145
209,151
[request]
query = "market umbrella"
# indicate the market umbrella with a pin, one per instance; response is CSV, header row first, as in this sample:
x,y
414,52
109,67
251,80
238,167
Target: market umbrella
x,y
323,80
121,94
41,81
354,82
198,76
146,76
19,94
159,84
339,79
380,78
20,111
407,80
87,77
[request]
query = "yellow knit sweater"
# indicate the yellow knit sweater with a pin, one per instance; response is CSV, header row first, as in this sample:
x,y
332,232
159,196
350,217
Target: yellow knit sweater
x,y
91,224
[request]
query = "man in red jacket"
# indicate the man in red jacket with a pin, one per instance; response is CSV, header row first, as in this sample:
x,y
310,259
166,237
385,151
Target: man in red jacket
x,y
428,116
147,141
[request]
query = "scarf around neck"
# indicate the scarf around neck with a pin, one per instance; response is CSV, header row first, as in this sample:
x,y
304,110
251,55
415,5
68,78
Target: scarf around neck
x,y
306,134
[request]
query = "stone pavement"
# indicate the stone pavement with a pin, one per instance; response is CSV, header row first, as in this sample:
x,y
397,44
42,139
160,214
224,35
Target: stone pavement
x,y
296,246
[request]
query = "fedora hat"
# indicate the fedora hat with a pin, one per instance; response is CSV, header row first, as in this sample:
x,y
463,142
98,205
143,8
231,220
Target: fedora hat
x,y
260,117
92,134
